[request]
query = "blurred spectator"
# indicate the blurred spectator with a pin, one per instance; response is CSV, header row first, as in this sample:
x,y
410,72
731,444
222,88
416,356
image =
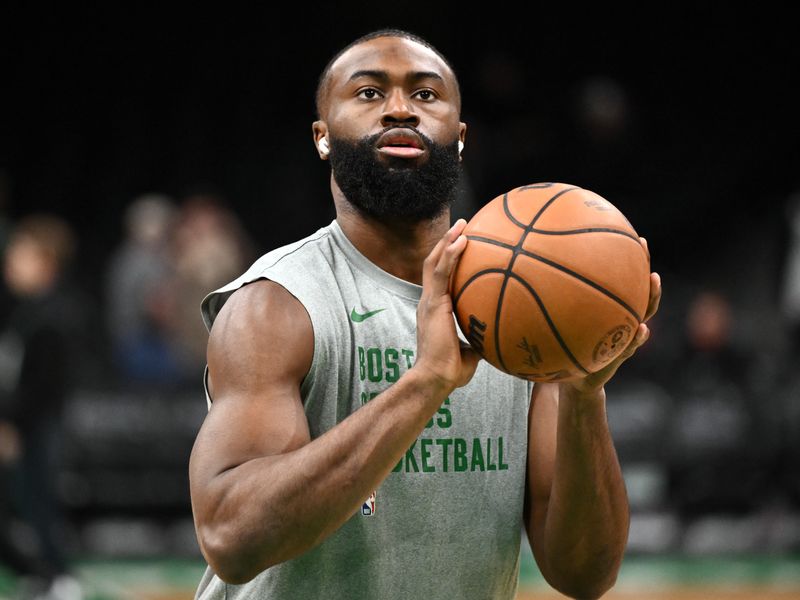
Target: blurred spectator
x,y
37,348
209,248
789,305
603,137
602,111
137,293
709,351
790,292
172,257
719,453
5,227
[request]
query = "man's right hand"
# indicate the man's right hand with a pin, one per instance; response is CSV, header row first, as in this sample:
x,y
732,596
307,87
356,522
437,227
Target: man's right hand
x,y
441,357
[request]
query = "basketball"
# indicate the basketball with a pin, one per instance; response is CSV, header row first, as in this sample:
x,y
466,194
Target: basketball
x,y
553,282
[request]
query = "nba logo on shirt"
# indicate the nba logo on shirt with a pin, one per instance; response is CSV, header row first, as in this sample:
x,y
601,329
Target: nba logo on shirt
x,y
368,508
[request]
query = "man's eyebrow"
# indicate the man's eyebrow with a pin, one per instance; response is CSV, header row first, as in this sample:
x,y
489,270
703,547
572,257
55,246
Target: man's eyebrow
x,y
384,76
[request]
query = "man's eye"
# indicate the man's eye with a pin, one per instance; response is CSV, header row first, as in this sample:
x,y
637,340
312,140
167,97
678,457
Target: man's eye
x,y
368,93
426,95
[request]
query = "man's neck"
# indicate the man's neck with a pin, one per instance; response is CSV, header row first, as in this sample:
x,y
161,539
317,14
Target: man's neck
x,y
397,248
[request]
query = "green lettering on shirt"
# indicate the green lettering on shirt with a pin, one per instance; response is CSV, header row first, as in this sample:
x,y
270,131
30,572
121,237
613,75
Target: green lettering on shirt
x,y
460,454
411,461
445,443
490,466
445,419
503,466
392,368
477,456
362,363
425,455
374,365
408,354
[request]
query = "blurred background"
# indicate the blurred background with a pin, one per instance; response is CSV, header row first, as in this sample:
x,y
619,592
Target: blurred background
x,y
148,156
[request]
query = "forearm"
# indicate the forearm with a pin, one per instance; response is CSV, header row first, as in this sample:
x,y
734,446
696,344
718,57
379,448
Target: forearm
x,y
273,508
587,517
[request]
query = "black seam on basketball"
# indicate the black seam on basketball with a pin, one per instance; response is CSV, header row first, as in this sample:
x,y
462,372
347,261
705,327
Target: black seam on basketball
x,y
477,238
509,270
499,304
585,280
497,316
586,230
548,204
550,323
515,252
508,212
471,279
535,186
514,220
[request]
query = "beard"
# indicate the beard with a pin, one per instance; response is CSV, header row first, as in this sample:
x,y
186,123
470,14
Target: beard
x,y
397,188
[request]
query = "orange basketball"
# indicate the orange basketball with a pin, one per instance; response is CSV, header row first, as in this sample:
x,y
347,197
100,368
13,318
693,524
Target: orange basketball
x,y
553,282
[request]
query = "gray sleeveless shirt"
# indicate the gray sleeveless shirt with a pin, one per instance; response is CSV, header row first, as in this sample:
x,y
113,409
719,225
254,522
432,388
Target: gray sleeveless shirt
x,y
446,523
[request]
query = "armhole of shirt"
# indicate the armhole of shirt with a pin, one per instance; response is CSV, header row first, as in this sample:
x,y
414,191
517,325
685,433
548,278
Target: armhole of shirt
x,y
205,388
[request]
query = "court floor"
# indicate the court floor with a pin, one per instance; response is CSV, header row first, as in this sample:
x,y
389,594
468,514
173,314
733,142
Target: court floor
x,y
641,578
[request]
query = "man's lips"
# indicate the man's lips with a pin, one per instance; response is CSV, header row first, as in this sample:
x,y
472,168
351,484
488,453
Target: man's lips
x,y
401,142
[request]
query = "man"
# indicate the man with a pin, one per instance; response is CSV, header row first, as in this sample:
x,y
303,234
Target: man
x,y
355,447
40,340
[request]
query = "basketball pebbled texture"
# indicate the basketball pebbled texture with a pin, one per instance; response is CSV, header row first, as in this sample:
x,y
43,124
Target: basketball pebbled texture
x,y
553,282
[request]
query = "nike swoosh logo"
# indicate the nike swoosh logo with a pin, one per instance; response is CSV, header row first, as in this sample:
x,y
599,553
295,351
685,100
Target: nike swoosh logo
x,y
359,317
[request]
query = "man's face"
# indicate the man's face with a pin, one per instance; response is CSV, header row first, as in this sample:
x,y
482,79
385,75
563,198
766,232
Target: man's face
x,y
391,116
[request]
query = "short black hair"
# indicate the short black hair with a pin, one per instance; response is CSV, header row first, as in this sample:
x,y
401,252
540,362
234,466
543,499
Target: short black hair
x,y
385,32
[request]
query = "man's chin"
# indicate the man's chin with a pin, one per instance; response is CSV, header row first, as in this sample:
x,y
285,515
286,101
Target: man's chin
x,y
400,184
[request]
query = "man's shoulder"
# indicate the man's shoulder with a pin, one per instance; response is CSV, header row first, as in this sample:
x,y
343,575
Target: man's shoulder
x,y
297,250
288,265
291,258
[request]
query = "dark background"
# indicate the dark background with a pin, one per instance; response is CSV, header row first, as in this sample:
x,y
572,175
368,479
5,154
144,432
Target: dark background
x,y
105,104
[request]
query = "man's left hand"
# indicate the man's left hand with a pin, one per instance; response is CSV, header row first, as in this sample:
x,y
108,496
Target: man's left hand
x,y
595,381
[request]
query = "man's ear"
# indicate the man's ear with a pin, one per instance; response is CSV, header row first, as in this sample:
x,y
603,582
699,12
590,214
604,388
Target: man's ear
x,y
319,129
462,134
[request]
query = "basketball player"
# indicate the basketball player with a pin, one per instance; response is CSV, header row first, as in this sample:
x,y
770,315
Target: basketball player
x,y
355,447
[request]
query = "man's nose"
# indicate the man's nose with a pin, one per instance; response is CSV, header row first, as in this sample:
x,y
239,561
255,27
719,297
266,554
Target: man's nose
x,y
398,109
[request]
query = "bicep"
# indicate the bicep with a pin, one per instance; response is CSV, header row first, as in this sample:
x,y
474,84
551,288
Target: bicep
x,y
259,350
